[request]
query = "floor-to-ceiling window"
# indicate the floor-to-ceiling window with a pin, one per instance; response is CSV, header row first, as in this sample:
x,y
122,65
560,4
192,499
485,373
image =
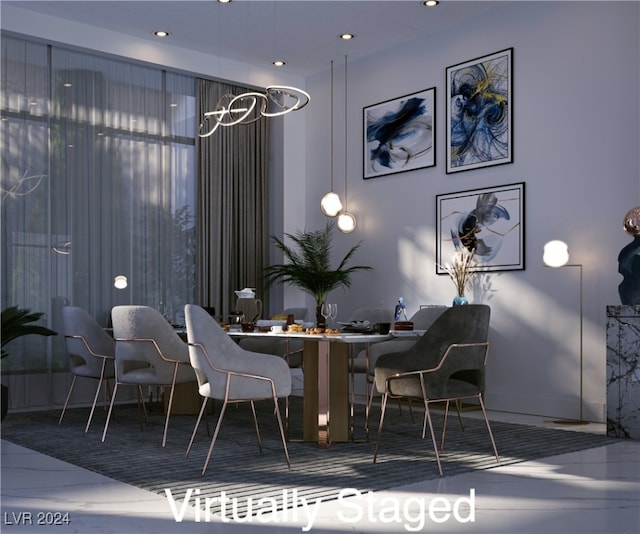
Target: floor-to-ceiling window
x,y
98,177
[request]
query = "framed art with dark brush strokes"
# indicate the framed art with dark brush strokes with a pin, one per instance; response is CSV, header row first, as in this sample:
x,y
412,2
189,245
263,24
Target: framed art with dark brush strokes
x,y
480,112
489,220
399,134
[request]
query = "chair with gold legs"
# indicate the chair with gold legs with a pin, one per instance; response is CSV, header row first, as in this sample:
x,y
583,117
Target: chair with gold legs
x,y
91,353
227,372
446,364
148,353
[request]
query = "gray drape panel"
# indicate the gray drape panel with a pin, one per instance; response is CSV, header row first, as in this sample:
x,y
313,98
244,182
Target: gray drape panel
x,y
232,197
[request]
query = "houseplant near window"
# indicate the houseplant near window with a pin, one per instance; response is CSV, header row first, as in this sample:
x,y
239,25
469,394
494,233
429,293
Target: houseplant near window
x,y
18,322
309,267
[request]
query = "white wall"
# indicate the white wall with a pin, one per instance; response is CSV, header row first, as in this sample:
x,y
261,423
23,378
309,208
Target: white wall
x,y
576,146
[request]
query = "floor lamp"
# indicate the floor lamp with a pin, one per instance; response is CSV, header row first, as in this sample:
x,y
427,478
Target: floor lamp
x,y
556,254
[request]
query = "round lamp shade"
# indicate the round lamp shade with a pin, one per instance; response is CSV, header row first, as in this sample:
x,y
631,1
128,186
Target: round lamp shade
x,y
120,282
346,222
330,204
556,254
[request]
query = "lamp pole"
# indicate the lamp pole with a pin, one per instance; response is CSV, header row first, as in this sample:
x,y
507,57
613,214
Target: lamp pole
x,y
556,254
580,420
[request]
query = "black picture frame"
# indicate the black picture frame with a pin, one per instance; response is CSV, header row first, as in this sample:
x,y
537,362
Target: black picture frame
x,y
479,105
491,219
399,135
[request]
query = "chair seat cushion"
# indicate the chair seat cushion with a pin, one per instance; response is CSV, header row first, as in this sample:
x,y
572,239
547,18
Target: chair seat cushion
x,y
248,388
149,376
452,388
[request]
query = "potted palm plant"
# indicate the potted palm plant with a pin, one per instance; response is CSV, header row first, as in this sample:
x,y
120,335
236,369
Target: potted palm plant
x,y
18,322
309,266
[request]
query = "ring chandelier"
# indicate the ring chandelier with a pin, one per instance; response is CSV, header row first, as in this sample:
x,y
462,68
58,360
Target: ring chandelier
x,y
249,107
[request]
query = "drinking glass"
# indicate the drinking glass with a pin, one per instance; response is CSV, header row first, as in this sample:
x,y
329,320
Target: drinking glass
x,y
325,311
333,315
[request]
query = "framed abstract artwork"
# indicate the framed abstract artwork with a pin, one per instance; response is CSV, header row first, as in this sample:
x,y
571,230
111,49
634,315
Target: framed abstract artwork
x,y
489,220
480,112
399,134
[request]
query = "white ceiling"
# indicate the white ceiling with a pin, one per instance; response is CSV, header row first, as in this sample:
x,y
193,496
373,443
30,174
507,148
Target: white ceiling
x,y
303,32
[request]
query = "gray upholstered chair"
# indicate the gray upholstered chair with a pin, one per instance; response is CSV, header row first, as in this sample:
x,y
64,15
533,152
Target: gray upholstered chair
x,y
91,352
148,353
366,360
227,372
446,364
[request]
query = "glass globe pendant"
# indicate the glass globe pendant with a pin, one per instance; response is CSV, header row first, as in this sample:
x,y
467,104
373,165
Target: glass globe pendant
x,y
346,222
331,204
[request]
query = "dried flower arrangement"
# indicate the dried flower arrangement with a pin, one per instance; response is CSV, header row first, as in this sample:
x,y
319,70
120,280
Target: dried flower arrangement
x,y
461,269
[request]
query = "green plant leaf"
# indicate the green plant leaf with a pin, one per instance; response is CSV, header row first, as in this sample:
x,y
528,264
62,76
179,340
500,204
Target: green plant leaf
x,y
309,264
16,322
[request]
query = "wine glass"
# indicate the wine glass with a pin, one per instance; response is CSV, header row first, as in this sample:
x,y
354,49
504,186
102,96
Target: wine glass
x,y
333,315
325,311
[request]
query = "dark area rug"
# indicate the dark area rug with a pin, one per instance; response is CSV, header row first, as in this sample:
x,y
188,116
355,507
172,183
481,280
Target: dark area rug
x,y
136,457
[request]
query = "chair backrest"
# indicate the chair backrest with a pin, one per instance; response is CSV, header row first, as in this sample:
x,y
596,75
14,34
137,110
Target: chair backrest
x,y
298,313
214,355
425,317
373,315
144,322
459,325
463,324
78,322
205,334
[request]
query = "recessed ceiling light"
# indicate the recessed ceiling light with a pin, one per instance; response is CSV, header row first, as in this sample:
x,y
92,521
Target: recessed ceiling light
x,y
279,63
66,84
430,3
161,33
347,36
224,1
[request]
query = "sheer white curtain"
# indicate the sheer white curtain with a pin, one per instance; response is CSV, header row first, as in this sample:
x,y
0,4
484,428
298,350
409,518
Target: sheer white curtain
x,y
112,146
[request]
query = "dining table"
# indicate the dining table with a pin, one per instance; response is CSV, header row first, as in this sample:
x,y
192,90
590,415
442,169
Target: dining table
x,y
325,362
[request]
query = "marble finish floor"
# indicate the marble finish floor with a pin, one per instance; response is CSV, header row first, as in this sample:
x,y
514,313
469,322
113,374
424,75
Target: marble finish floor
x,y
595,491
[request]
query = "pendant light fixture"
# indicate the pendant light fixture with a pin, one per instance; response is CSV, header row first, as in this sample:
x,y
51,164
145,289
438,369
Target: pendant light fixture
x,y
251,106
346,220
330,203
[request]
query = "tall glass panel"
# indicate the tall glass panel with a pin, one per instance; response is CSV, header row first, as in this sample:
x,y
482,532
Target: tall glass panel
x,y
24,186
112,143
